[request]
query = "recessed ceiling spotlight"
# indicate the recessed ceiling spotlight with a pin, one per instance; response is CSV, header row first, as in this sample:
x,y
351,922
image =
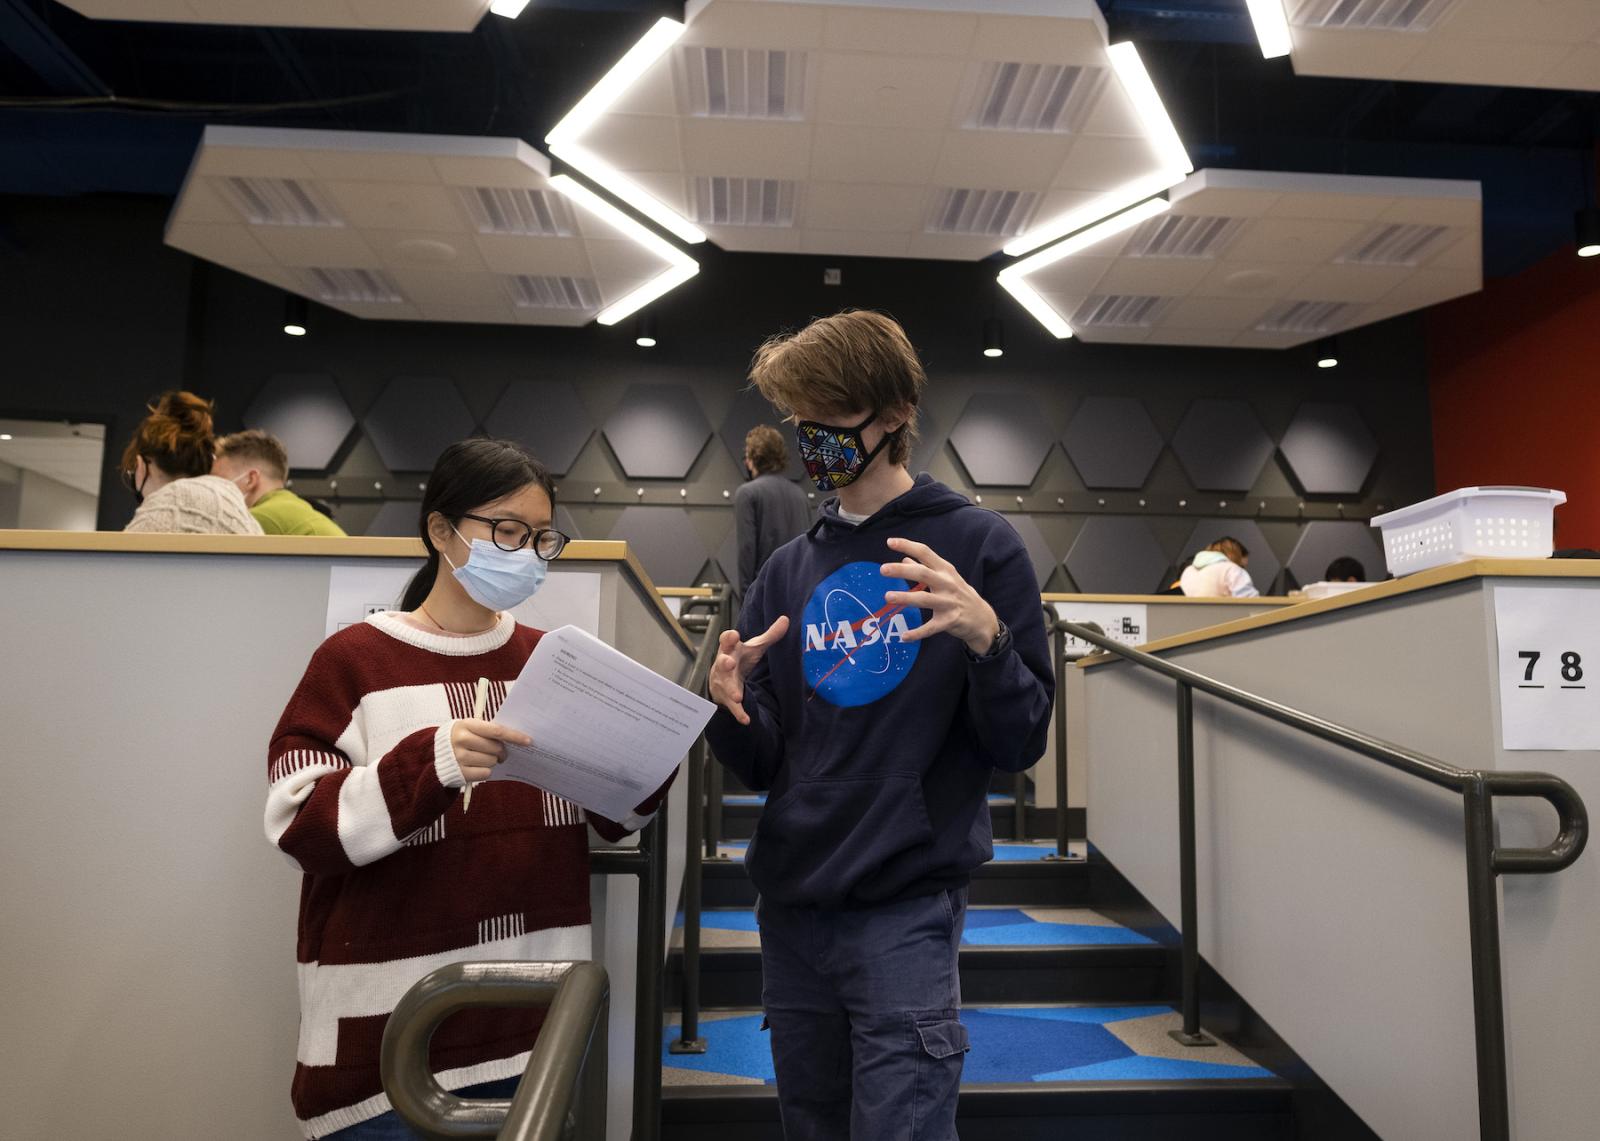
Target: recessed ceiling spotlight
x,y
295,319
1272,27
993,338
564,139
644,331
1328,352
5,435
1588,223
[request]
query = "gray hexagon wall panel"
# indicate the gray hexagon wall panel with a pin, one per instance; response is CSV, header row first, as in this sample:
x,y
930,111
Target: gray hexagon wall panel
x,y
1221,445
1329,449
657,432
1322,542
665,540
1264,565
1116,555
397,518
1039,552
545,416
415,419
306,412
749,409
1002,439
1112,442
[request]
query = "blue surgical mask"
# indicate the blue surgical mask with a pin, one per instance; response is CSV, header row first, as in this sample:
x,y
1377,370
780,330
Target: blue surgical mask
x,y
499,580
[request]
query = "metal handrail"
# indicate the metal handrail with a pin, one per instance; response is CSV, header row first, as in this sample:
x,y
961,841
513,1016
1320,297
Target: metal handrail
x,y
1485,858
561,1096
711,625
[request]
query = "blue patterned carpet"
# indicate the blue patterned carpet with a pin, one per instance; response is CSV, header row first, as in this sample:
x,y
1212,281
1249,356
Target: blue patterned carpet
x,y
1009,1044
985,927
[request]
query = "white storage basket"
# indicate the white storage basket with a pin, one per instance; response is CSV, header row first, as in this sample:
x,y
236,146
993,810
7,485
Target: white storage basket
x,y
1471,523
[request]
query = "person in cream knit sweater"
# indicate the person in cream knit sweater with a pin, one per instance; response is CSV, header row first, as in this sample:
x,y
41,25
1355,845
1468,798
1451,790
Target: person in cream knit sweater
x,y
167,466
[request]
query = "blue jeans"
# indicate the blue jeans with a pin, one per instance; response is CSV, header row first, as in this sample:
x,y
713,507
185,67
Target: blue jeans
x,y
389,1127
865,1011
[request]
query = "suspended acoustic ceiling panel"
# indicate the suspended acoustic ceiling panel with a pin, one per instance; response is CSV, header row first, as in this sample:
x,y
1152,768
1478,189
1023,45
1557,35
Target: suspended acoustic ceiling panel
x,y
377,15
1264,565
1501,43
871,127
1264,259
412,227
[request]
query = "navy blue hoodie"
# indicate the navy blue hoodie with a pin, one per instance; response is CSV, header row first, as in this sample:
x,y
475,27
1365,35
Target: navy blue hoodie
x,y
878,751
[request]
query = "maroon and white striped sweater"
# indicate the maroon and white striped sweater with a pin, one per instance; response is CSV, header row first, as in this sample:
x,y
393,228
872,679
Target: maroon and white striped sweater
x,y
364,797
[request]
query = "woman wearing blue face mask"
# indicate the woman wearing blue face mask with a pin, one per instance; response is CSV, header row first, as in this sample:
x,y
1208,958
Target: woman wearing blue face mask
x,y
366,774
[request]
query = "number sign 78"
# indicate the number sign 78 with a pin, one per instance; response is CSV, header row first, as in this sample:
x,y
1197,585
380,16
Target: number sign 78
x,y
1571,665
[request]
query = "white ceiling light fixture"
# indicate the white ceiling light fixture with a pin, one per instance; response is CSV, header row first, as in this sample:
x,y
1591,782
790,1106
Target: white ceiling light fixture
x,y
1272,27
1158,126
510,9
1014,277
1104,206
564,138
681,267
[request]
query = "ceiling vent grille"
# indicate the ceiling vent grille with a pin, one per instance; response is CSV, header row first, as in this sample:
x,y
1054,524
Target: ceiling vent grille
x,y
732,83
1034,97
1396,244
365,285
530,291
1120,311
1182,236
722,201
1307,317
991,213
514,210
1372,15
280,202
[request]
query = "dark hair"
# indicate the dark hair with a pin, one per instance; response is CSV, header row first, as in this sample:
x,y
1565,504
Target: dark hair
x,y
1344,568
176,436
466,476
763,444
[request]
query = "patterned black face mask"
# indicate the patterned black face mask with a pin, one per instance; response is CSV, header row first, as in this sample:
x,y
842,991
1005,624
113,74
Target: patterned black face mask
x,y
835,457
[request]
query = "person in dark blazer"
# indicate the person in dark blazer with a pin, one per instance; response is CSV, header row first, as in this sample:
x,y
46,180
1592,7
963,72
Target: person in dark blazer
x,y
769,510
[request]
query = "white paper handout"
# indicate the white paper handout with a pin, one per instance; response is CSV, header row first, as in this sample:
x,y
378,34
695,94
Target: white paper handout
x,y
606,731
1548,644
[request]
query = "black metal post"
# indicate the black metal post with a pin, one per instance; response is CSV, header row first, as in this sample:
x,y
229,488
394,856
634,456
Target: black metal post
x,y
1191,1034
1483,921
1019,791
715,790
1058,642
689,1040
647,1001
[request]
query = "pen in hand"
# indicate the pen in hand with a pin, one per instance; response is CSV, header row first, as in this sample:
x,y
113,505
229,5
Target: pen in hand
x,y
480,704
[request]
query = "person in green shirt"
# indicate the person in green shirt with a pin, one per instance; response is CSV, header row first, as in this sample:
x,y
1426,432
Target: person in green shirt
x,y
258,463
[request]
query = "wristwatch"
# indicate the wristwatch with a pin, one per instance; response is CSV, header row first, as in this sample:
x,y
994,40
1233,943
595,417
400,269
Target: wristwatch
x,y
1001,643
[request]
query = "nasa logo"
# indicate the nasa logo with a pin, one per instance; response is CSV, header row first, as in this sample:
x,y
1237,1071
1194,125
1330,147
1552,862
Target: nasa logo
x,y
853,643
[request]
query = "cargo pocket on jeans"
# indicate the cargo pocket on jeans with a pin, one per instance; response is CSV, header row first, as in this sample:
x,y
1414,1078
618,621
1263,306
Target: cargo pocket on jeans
x,y
943,1039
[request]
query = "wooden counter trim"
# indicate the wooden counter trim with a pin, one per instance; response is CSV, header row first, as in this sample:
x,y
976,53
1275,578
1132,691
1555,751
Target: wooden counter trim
x,y
685,592
1170,599
1377,592
319,546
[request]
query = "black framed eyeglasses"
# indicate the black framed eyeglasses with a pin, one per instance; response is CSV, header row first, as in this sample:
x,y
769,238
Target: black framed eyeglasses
x,y
514,534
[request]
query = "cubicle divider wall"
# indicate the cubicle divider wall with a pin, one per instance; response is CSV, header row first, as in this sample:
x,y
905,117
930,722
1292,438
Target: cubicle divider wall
x,y
1330,892
150,928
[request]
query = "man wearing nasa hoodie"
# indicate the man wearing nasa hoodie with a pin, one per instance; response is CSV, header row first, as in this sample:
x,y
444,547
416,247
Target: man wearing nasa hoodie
x,y
884,664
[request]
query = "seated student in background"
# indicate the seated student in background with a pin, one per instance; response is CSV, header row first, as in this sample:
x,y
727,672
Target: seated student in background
x,y
365,774
258,463
167,466
1345,569
1218,572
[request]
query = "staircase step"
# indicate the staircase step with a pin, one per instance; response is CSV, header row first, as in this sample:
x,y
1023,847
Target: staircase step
x,y
1037,1071
741,811
1008,955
